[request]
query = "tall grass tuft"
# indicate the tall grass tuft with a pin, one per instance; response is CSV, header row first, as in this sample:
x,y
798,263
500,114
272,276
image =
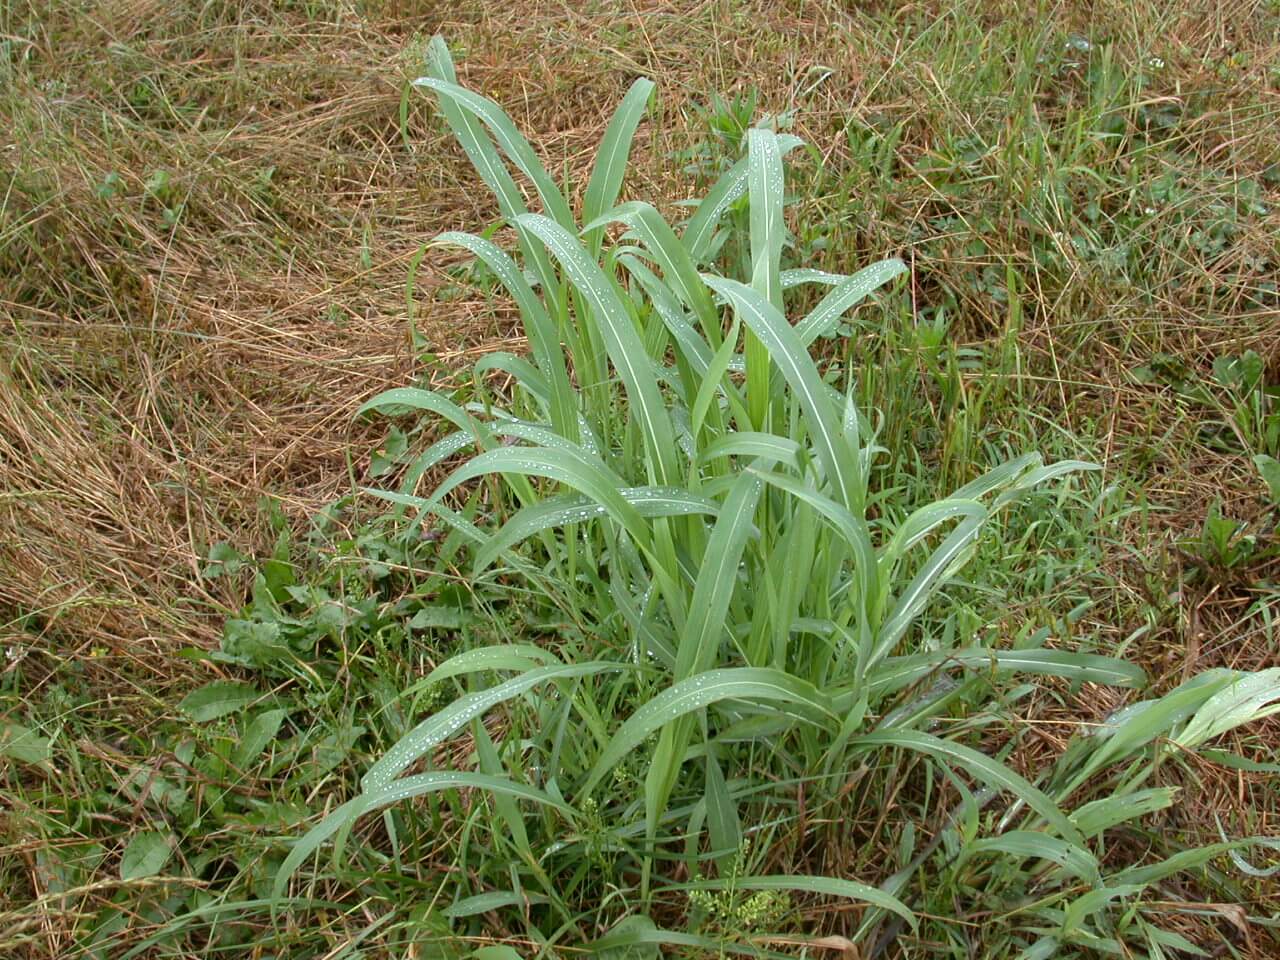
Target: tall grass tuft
x,y
672,470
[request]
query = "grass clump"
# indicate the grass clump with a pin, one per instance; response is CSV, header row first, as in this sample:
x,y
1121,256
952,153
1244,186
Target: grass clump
x,y
685,487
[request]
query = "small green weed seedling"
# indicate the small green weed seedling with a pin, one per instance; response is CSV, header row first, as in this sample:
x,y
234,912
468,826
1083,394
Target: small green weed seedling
x,y
1250,405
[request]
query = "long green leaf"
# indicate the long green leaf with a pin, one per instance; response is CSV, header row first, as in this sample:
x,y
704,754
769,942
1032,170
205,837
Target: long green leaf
x,y
480,150
1074,860
1139,724
924,521
506,656
378,797
846,295
678,269
927,581
444,724
898,672
569,466
795,697
841,465
759,446
731,186
622,343
560,511
765,188
513,144
611,160
990,772
1106,812
717,578
1250,697
538,326
391,402
852,529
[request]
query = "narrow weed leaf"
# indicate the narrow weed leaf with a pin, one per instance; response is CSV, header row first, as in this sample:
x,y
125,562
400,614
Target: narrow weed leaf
x,y
792,697
990,772
847,295
842,468
378,797
611,159
623,345
504,132
440,726
257,737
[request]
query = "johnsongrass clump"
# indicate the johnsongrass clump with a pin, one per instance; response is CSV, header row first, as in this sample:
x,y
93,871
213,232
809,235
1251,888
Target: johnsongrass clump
x,y
671,470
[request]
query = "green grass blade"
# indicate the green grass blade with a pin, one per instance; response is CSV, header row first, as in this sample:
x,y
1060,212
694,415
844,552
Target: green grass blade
x,y
717,578
569,466
731,187
1250,697
997,477
700,230
842,467
793,697
622,343
493,900
800,276
441,450
989,771
1107,812
611,160
713,383
509,139
1144,875
679,272
452,518
400,399
1141,723
851,527
928,580
539,328
848,294
895,673
693,348
518,657
1023,844
484,157
560,511
1094,902
397,792
1033,478
444,724
765,188
923,522
759,446
723,827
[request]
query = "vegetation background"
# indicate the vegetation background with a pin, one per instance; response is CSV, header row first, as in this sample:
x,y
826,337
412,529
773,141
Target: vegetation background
x,y
211,218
